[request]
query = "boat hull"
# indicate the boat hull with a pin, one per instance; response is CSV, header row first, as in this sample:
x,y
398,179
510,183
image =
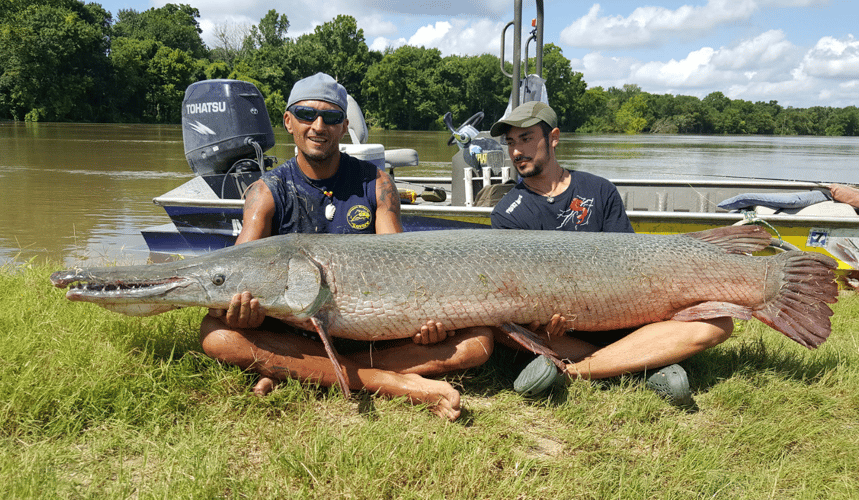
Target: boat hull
x,y
202,221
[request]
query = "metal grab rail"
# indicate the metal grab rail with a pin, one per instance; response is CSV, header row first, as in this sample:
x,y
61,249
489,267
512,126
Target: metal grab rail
x,y
537,36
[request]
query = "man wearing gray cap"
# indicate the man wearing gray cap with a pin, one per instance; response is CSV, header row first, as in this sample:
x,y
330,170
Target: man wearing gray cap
x,y
322,190
554,198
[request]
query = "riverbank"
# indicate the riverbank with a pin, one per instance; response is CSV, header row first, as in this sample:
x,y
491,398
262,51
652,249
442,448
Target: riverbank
x,y
95,404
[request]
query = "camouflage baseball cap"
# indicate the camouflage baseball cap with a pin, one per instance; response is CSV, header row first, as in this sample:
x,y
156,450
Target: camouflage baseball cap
x,y
524,116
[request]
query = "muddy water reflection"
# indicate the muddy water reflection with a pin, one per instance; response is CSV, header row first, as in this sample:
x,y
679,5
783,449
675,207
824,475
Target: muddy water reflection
x,y
81,193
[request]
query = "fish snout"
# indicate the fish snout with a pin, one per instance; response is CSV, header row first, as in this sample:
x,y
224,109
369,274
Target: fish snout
x,y
62,279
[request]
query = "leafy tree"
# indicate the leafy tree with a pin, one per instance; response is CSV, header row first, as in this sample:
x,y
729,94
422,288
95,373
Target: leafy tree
x,y
565,87
453,72
131,58
269,33
54,60
338,48
692,117
154,79
402,90
763,117
595,107
631,117
156,54
270,63
843,122
275,103
65,60
230,44
170,72
717,101
173,25
486,88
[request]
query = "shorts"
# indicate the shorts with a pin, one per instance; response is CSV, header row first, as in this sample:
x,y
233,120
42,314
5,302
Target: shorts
x,y
342,346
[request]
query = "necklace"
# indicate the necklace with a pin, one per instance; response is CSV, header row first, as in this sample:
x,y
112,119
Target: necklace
x,y
330,209
541,192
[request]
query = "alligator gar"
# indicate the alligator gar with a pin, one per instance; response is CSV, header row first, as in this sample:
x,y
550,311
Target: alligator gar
x,y
373,287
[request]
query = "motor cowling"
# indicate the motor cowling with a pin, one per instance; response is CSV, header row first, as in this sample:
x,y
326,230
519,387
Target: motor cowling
x,y
221,122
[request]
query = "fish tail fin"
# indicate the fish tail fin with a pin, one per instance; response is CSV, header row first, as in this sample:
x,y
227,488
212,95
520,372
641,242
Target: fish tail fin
x,y
800,309
735,239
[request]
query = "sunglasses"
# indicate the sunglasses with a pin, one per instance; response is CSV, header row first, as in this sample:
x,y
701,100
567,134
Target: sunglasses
x,y
308,114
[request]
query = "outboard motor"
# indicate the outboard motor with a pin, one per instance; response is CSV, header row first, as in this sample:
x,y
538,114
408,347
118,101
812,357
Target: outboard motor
x,y
224,122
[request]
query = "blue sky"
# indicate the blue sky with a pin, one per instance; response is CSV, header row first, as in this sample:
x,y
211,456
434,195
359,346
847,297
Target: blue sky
x,y
801,53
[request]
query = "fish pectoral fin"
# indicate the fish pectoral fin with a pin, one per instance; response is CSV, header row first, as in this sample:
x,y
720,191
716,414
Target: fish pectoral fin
x,y
304,293
713,310
529,340
321,328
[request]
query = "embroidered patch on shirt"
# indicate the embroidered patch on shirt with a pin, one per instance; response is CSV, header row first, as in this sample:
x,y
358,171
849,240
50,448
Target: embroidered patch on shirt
x,y
359,217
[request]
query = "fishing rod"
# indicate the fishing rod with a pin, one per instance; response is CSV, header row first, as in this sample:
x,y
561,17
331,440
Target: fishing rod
x,y
824,184
673,176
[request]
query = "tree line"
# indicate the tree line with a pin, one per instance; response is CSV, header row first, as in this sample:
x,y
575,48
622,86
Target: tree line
x,y
66,60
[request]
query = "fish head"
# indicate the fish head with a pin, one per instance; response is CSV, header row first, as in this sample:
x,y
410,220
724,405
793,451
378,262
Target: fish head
x,y
285,281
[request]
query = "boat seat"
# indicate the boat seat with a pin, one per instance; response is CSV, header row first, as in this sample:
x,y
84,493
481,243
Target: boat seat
x,y
822,209
402,157
359,134
490,195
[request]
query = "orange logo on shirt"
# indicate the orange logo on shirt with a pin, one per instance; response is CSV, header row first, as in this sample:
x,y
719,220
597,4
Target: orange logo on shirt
x,y
582,209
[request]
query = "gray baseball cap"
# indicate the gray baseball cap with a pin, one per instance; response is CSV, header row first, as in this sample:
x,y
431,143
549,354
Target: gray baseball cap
x,y
319,87
524,116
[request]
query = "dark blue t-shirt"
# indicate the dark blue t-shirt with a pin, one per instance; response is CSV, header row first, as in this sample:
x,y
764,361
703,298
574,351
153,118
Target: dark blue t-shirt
x,y
300,202
590,204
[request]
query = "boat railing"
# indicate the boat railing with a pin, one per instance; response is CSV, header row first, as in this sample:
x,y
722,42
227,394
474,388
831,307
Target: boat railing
x,y
662,199
537,36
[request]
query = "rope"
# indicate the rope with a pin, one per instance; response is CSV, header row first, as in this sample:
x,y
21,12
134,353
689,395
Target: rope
x,y
751,217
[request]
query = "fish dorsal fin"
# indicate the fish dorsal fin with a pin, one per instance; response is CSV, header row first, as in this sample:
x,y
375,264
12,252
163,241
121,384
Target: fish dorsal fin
x,y
304,293
735,239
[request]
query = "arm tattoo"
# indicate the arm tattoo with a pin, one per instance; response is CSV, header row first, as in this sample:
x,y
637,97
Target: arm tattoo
x,y
388,196
252,196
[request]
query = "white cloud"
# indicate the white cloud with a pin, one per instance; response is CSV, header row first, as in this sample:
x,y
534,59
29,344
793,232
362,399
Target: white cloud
x,y
455,37
430,36
436,8
379,44
766,67
375,25
378,18
693,71
652,25
770,48
607,69
833,59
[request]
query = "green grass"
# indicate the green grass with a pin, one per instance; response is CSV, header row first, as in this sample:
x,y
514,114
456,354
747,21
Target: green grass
x,y
99,405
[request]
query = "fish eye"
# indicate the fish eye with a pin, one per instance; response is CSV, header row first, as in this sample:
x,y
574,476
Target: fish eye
x,y
219,279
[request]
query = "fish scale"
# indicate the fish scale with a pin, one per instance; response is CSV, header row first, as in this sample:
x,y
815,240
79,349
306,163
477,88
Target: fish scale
x,y
369,287
469,278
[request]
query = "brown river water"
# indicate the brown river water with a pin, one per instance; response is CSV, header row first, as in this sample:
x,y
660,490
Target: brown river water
x,y
81,193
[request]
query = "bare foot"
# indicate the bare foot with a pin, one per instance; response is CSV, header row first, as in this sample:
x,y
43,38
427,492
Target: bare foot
x,y
441,398
264,386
